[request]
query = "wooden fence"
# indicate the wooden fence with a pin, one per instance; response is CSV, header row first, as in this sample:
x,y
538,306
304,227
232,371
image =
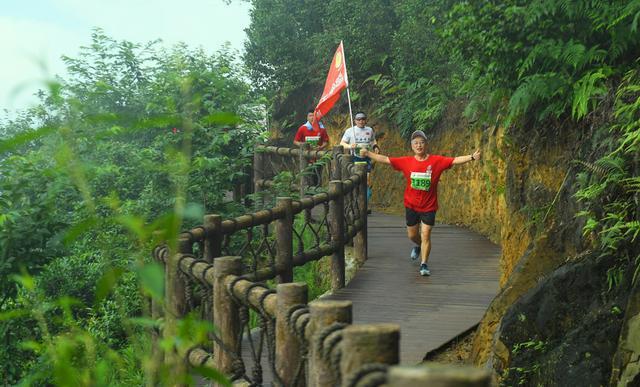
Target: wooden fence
x,y
222,269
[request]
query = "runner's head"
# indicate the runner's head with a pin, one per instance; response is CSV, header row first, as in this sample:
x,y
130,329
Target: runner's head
x,y
361,119
310,115
419,142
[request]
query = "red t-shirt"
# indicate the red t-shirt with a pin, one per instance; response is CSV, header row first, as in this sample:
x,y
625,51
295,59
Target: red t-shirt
x,y
304,132
421,193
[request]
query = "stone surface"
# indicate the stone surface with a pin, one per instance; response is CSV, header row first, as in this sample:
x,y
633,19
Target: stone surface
x,y
563,331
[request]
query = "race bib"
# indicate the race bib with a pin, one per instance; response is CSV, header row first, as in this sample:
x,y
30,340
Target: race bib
x,y
312,140
421,181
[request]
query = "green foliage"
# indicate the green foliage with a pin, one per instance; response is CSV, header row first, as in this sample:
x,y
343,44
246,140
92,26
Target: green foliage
x,y
408,59
136,139
552,72
609,188
314,274
615,276
535,345
522,375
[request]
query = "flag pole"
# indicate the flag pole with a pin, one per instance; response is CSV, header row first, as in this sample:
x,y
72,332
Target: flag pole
x,y
350,113
348,95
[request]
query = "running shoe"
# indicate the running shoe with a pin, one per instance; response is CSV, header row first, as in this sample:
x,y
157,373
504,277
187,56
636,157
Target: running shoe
x,y
415,253
424,269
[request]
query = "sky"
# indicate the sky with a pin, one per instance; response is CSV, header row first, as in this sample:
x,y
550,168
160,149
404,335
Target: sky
x,y
35,33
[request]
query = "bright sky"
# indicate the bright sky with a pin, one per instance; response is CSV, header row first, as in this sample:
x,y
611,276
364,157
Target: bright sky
x,y
35,33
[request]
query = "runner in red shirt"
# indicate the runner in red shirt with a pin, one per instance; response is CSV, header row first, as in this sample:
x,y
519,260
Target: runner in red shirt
x,y
422,172
308,135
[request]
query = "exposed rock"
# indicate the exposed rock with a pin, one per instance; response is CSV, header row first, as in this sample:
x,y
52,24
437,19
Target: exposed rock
x,y
626,362
564,331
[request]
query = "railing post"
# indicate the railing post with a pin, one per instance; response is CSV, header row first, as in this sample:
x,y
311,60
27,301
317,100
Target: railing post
x,y
258,174
302,165
437,375
347,159
212,249
175,308
336,168
322,315
226,316
371,343
287,343
360,240
337,227
213,237
284,240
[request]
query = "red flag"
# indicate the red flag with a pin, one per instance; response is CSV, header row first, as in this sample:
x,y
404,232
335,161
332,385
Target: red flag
x,y
336,81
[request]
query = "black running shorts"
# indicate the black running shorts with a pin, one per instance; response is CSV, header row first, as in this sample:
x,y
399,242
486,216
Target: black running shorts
x,y
413,217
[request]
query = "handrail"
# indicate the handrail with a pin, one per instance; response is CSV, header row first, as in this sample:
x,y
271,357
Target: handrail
x,y
265,216
290,151
345,196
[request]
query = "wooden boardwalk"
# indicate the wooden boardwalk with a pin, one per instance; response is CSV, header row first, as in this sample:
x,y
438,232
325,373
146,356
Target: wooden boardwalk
x,y
430,310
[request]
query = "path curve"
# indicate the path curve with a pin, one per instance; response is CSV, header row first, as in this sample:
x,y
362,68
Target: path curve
x,y
430,310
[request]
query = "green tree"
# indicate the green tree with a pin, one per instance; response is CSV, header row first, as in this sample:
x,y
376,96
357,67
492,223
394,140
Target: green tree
x,y
136,139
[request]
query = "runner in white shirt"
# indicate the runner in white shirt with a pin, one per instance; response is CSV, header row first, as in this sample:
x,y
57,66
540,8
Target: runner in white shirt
x,y
361,136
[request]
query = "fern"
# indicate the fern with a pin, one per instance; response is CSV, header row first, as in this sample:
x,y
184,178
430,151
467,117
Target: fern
x,y
535,89
586,91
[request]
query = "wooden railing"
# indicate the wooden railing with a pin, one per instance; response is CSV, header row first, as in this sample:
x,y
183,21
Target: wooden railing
x,y
220,269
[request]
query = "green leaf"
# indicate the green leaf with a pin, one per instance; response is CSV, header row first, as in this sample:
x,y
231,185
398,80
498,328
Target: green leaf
x,y
144,322
32,345
23,138
107,282
152,280
25,280
134,224
213,374
78,229
221,118
12,314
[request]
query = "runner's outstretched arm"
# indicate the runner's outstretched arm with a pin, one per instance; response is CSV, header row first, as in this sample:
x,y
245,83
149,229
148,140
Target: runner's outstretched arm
x,y
467,158
378,158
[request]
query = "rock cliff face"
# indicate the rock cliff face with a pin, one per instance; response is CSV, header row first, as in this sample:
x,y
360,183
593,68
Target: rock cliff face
x,y
521,196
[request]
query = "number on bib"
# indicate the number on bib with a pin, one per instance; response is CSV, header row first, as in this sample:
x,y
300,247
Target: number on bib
x,y
421,181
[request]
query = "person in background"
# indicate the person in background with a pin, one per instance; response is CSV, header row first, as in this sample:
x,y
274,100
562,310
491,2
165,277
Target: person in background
x,y
422,172
314,139
361,136
308,135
